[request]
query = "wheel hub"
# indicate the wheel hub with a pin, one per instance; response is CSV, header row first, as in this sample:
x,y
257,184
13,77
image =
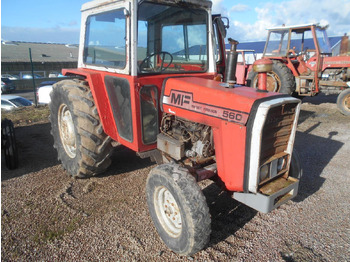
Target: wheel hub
x,y
168,211
66,129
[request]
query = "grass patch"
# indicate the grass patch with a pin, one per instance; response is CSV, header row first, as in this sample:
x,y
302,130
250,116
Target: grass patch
x,y
27,115
46,234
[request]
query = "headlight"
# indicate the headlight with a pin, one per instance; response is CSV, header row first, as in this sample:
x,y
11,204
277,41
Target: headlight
x,y
273,168
264,172
281,164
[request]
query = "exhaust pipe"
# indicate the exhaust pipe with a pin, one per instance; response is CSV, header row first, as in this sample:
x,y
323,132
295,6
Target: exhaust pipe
x,y
231,64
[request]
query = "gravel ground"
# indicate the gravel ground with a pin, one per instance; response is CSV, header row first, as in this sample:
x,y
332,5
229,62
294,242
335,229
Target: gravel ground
x,y
47,216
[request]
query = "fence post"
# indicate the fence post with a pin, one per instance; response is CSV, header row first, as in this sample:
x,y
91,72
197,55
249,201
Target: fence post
x,y
34,89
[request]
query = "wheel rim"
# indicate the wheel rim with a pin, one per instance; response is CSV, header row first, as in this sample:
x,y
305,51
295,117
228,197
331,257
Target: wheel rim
x,y
66,129
167,211
347,102
273,82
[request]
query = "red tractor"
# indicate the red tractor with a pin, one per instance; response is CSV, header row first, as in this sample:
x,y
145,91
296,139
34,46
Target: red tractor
x,y
306,68
145,80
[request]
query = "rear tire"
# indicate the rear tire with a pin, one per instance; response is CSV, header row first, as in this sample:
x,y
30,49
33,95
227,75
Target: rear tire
x,y
279,80
178,209
82,146
8,140
343,102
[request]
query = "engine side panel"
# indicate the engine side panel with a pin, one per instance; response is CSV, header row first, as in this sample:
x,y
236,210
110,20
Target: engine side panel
x,y
230,148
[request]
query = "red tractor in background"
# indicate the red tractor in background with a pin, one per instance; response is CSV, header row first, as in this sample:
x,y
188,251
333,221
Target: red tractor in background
x,y
306,68
147,80
245,61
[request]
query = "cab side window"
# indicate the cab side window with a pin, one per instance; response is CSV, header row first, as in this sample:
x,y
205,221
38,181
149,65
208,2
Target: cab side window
x,y
105,39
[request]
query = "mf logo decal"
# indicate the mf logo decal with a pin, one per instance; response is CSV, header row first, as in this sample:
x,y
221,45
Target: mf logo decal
x,y
185,100
180,99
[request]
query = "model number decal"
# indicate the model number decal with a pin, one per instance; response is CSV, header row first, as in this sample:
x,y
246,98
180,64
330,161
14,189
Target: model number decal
x,y
185,100
232,115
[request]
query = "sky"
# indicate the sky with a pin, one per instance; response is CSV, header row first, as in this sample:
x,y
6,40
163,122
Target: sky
x,y
58,21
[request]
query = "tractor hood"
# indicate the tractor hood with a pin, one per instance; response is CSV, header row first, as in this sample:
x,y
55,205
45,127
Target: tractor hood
x,y
197,98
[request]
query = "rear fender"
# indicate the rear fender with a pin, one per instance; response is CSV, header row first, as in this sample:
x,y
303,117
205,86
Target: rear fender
x,y
100,97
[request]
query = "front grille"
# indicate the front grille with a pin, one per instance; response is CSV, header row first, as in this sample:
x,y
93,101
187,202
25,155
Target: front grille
x,y
277,130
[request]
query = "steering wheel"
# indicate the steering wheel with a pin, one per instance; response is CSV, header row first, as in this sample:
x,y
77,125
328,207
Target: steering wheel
x,y
150,63
292,51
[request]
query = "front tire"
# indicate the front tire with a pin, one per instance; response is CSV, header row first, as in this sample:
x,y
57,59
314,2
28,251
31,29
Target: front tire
x,y
81,144
343,102
279,80
178,209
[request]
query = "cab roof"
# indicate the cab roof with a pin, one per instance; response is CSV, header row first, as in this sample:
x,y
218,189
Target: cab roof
x,y
98,3
295,27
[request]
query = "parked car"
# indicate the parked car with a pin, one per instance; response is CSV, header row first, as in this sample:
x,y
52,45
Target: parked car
x,y
47,83
56,74
7,86
9,102
11,77
29,76
43,92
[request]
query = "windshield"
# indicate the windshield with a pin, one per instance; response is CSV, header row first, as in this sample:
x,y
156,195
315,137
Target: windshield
x,y
19,101
323,41
171,39
5,80
277,43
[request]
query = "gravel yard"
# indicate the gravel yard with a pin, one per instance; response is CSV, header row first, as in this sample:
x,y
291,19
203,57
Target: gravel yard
x,y
47,216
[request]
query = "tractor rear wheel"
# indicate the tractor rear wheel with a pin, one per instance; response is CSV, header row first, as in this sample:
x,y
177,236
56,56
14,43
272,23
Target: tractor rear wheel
x,y
343,102
178,209
9,145
82,146
279,80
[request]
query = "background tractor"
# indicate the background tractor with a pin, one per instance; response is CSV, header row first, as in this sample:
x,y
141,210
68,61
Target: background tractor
x,y
145,80
305,68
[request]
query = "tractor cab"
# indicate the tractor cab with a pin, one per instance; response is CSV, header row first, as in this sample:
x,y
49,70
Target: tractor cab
x,y
302,47
134,46
142,38
297,40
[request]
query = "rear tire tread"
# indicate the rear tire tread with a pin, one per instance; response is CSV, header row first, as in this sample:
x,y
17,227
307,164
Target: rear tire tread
x,y
93,147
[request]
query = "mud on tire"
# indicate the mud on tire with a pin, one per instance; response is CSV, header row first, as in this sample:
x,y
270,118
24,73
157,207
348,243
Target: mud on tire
x,y
81,144
178,209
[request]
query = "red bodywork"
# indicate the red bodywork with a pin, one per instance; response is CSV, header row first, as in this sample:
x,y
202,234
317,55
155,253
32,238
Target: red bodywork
x,y
203,100
97,85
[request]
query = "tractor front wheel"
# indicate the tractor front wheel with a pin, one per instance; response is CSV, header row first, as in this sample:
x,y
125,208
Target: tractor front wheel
x,y
178,209
81,144
343,102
